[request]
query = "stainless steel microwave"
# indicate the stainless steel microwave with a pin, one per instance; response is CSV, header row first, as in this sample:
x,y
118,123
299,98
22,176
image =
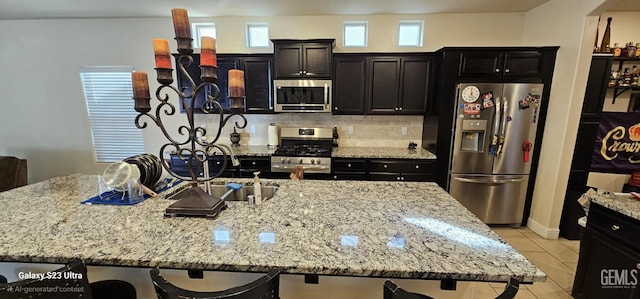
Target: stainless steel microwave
x,y
302,95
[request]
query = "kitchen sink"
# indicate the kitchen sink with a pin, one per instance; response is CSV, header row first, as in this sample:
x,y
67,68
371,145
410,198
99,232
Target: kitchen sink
x,y
239,195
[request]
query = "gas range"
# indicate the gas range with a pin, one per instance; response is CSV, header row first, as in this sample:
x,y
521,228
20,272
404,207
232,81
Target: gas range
x,y
306,147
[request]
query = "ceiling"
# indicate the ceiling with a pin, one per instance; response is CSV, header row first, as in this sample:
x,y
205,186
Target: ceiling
x,y
47,9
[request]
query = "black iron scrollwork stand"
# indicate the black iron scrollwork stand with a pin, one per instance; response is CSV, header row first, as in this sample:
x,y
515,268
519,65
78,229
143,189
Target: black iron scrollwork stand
x,y
194,151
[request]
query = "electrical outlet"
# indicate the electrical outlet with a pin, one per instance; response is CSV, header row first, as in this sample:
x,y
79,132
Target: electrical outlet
x,y
252,128
350,130
404,130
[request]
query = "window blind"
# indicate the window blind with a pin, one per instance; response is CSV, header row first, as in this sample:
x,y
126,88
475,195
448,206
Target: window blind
x,y
108,94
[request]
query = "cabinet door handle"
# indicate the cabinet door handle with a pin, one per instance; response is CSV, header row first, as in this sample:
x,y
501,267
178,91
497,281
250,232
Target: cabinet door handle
x,y
400,108
638,265
253,163
398,178
349,165
497,70
335,177
385,166
300,72
506,70
615,227
335,108
417,166
304,72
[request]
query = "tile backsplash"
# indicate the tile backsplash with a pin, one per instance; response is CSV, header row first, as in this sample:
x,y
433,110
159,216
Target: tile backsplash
x,y
368,130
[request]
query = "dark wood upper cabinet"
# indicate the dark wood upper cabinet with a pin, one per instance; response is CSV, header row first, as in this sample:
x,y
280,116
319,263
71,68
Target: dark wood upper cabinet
x,y
498,64
303,58
258,70
384,84
349,86
414,84
398,84
258,88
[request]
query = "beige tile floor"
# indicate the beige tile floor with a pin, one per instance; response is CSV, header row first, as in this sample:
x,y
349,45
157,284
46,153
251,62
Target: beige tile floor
x,y
556,258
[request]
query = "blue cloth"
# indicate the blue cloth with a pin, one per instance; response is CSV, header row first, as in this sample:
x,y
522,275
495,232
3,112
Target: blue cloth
x,y
113,197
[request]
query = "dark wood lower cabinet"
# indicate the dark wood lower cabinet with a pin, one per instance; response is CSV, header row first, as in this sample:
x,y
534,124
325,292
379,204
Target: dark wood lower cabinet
x,y
248,165
383,169
609,263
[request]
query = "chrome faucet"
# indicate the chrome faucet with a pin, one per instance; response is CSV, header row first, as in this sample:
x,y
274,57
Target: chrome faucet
x,y
234,159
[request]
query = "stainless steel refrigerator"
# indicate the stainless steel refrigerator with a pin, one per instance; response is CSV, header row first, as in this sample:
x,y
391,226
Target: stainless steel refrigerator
x,y
494,131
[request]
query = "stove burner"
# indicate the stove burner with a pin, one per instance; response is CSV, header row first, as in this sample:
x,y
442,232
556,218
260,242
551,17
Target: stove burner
x,y
303,150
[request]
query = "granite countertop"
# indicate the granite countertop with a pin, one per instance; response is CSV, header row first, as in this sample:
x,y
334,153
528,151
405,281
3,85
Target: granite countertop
x,y
353,228
624,204
382,152
253,150
346,152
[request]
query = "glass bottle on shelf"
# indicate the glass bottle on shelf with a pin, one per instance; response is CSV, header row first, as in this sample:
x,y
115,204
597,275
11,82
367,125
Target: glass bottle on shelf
x,y
626,78
635,73
616,50
613,78
637,50
631,49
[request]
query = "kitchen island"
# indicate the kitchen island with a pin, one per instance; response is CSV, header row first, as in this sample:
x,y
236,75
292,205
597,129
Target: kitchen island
x,y
609,252
337,228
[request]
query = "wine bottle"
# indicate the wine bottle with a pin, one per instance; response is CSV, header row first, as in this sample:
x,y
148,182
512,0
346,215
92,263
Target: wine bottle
x,y
606,38
595,42
335,136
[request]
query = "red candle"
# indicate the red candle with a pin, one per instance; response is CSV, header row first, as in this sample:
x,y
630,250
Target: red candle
x,y
236,83
140,85
208,51
181,22
161,51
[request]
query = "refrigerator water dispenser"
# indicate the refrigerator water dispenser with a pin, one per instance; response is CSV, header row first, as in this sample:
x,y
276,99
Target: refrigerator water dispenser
x,y
473,135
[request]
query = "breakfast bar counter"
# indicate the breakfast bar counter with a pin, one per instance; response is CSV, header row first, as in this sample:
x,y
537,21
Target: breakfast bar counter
x,y
338,228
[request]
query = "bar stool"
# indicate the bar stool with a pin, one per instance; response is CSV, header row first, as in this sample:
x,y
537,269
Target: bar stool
x,y
266,287
67,282
392,291
13,173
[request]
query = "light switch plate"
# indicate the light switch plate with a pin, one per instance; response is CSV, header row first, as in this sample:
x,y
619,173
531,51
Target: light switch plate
x,y
404,130
350,130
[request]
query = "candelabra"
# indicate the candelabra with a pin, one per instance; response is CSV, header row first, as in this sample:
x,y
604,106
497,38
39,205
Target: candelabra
x,y
188,146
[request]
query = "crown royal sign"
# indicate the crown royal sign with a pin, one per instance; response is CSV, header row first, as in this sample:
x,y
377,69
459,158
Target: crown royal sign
x,y
617,148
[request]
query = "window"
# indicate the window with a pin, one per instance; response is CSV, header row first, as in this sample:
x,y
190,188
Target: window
x,y
257,35
202,29
355,34
410,33
108,94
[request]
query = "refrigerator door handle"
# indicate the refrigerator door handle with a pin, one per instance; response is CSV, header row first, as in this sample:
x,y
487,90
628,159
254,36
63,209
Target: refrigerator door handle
x,y
478,181
496,128
503,125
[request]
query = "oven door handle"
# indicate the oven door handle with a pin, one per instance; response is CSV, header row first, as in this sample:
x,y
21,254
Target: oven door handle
x,y
303,167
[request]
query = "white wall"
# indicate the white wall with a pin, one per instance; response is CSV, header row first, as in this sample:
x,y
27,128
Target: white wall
x,y
574,32
43,115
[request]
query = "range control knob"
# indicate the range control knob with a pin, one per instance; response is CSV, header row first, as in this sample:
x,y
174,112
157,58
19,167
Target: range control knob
x,y
282,160
318,161
289,160
300,161
313,161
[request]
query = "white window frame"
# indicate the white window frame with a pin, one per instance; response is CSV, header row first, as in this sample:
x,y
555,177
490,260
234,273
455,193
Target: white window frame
x,y
196,29
108,96
248,34
420,24
355,23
